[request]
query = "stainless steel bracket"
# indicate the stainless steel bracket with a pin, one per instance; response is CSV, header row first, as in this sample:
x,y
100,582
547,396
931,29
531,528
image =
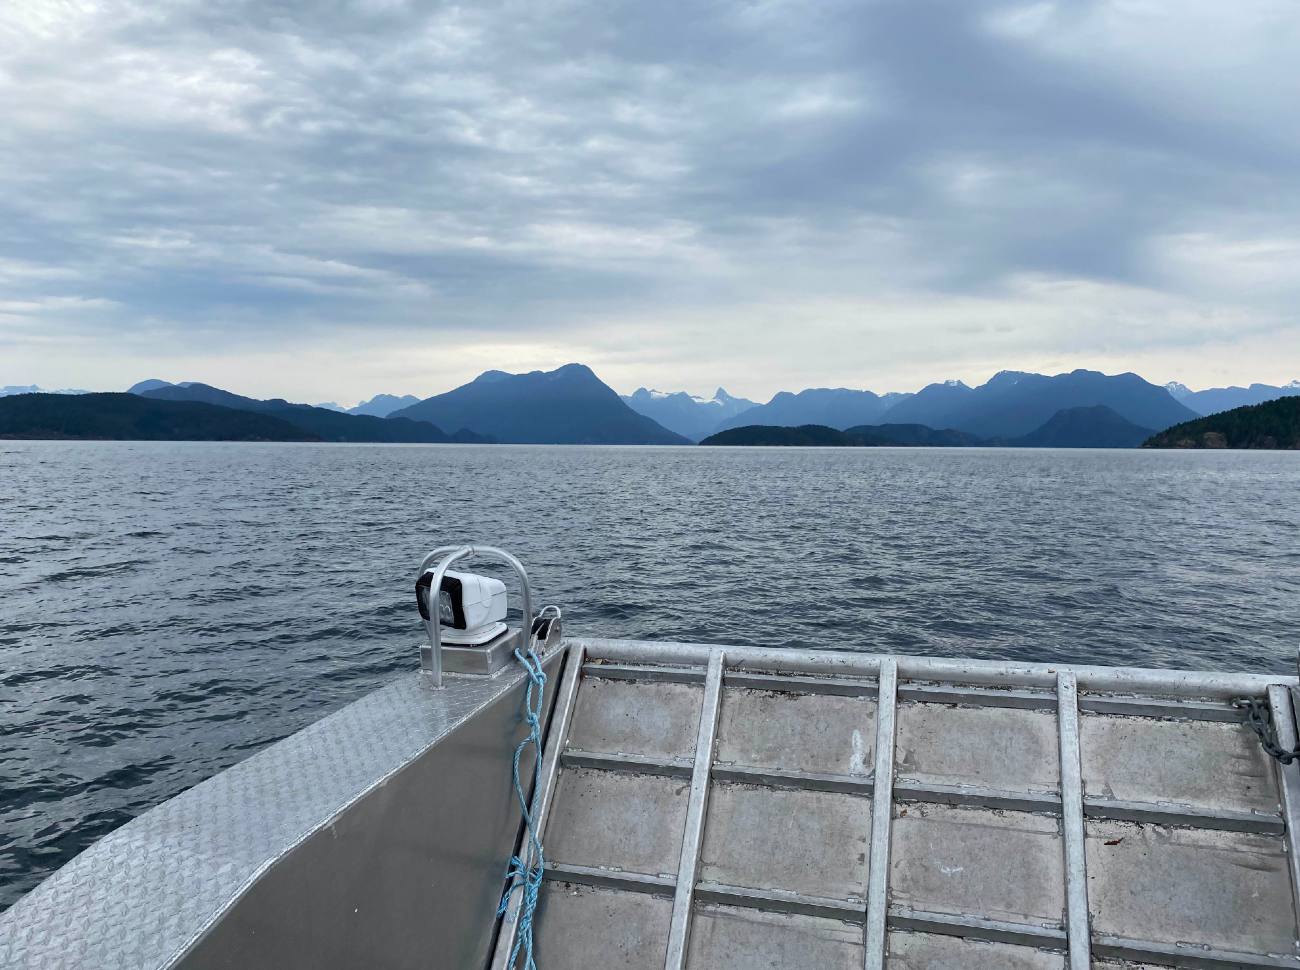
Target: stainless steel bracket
x,y
432,654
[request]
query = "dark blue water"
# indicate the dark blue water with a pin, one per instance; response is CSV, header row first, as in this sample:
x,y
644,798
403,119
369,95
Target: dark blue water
x,y
167,609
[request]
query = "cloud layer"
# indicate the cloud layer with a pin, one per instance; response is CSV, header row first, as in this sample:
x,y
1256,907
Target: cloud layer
x,y
333,199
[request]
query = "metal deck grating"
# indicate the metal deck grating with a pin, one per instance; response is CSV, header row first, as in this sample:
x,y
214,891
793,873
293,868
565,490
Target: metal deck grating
x,y
709,807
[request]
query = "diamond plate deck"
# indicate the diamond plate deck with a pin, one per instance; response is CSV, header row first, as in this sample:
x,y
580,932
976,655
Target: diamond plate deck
x,y
146,895
724,808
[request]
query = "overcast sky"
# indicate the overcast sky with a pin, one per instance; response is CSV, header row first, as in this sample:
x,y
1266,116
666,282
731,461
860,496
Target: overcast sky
x,y
325,200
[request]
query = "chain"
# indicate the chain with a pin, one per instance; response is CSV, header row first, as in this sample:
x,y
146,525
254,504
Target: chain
x,y
1260,720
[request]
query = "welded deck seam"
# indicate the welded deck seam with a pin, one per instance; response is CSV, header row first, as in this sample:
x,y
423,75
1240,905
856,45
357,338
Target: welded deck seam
x,y
977,928
679,927
1076,869
1180,955
637,882
908,790
631,764
1164,708
882,810
554,745
920,921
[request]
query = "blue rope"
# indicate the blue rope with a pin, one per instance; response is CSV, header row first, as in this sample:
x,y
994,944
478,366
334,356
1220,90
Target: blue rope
x,y
527,874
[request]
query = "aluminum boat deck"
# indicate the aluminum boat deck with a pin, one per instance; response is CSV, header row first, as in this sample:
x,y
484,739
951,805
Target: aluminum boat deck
x,y
720,808
711,808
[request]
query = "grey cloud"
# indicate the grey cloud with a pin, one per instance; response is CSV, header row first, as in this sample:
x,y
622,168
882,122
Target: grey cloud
x,y
242,171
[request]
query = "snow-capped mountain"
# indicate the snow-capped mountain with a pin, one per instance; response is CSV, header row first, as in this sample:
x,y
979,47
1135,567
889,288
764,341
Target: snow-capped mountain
x,y
1216,399
690,415
834,407
10,389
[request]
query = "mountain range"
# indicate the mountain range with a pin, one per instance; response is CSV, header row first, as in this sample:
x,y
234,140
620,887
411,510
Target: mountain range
x,y
835,407
9,390
1009,405
321,424
687,415
1012,403
1217,399
571,405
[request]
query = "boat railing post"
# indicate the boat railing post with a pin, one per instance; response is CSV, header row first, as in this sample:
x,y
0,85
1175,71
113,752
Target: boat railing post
x,y
1282,708
445,556
526,589
431,655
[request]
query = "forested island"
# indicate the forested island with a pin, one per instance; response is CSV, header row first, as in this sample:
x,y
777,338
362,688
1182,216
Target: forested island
x,y
1082,427
1271,425
130,417
204,414
864,436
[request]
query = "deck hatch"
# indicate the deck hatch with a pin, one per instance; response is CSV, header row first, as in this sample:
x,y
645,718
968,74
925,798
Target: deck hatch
x,y
927,951
998,823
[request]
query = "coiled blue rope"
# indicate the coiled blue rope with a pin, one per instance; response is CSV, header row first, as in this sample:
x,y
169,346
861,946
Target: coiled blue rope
x,y
527,872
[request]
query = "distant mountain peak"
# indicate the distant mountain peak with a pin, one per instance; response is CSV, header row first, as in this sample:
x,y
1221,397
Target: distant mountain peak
x,y
152,384
1005,378
1092,426
686,414
654,394
569,405
382,405
832,407
1214,400
10,390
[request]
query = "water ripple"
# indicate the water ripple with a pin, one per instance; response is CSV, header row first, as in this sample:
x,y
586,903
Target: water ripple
x,y
200,601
